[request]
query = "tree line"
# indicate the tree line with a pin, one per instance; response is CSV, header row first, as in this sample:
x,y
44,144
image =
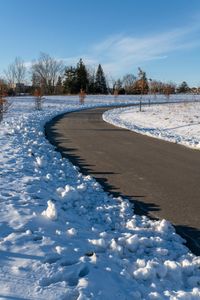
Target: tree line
x,y
49,76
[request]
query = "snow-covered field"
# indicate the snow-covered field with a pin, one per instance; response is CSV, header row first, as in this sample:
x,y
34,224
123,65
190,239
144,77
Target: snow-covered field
x,y
178,123
63,237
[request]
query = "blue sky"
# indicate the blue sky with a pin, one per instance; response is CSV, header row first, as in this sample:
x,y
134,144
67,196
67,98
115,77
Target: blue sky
x,y
162,37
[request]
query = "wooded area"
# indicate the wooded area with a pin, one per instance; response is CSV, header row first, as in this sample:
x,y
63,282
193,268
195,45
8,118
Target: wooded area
x,y
49,76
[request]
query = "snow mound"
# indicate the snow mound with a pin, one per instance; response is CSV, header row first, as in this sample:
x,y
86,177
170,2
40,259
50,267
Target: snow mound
x,y
63,237
175,122
51,211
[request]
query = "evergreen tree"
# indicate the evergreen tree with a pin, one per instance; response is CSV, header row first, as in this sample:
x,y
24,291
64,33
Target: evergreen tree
x,y
82,76
91,79
59,86
70,81
100,81
183,87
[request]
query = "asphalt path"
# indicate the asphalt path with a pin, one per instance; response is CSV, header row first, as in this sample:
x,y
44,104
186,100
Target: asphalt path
x,y
162,178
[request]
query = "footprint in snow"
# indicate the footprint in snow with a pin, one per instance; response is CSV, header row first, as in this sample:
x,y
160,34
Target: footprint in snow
x,y
68,262
37,238
71,274
51,259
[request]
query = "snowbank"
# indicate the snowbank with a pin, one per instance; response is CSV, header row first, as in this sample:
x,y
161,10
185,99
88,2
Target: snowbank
x,y
63,237
178,123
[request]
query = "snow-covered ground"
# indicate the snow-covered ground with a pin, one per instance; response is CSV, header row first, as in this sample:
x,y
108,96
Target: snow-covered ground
x,y
63,237
178,123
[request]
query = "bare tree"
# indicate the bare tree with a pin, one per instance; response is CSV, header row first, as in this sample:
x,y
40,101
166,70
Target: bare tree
x,y
39,99
16,72
47,70
19,70
10,75
128,83
82,96
4,103
168,89
4,106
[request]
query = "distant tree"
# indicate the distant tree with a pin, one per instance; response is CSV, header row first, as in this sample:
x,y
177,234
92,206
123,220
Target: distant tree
x,y
82,96
91,79
128,83
118,88
156,87
47,70
169,88
141,85
35,80
3,107
59,86
16,74
19,70
10,75
38,99
183,88
3,87
70,81
38,85
82,76
100,81
4,102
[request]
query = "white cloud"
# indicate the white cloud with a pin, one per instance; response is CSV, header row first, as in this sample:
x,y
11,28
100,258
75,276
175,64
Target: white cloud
x,y
120,54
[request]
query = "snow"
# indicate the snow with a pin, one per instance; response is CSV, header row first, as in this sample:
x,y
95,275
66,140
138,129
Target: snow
x,y
178,122
51,211
63,237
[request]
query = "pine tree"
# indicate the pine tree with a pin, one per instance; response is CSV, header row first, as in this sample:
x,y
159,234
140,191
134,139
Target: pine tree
x,y
82,76
91,79
70,81
59,86
183,87
100,82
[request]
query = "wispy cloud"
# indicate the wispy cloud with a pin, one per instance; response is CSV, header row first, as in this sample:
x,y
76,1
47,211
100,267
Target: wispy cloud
x,y
121,53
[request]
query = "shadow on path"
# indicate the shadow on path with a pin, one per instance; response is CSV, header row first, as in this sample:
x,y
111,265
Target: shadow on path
x,y
142,207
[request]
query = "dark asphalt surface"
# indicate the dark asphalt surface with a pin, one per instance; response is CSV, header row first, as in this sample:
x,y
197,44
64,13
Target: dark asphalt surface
x,y
162,178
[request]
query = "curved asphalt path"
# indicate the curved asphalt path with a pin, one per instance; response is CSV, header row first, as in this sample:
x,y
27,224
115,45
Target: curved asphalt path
x,y
162,178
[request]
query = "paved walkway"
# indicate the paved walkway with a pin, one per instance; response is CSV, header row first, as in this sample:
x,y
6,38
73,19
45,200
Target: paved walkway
x,y
162,178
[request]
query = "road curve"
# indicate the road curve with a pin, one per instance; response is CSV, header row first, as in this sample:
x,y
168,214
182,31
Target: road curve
x,y
162,178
